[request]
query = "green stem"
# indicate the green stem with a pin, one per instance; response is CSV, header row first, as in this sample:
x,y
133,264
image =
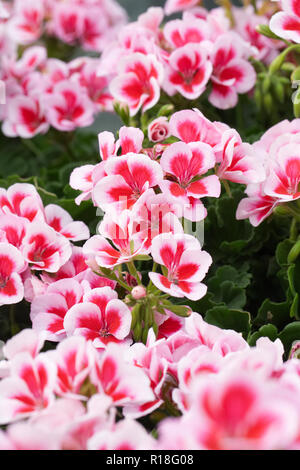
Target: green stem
x,y
14,329
227,188
279,60
293,211
133,271
114,277
122,283
293,230
154,268
32,147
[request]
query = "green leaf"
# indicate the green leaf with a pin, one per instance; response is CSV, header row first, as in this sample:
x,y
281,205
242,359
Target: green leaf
x,y
282,252
290,334
277,313
230,319
270,331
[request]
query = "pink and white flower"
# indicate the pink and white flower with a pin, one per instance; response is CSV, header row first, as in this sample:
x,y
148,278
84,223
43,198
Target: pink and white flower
x,y
189,70
45,249
184,165
61,221
138,82
25,118
186,265
119,230
232,73
172,6
286,23
68,107
49,309
102,318
28,389
11,265
129,176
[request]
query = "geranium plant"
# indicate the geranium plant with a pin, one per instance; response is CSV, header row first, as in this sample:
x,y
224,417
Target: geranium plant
x,y
150,277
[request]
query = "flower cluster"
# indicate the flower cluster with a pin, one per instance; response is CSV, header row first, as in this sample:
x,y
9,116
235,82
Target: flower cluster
x,y
34,239
43,92
91,24
278,150
117,356
200,52
222,393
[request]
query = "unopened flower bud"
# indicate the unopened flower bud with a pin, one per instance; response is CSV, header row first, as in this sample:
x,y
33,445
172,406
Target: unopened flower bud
x,y
138,292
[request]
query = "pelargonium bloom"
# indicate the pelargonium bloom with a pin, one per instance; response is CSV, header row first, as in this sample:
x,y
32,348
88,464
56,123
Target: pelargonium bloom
x,y
138,83
29,388
185,262
119,231
11,265
129,176
189,71
45,249
101,317
172,6
286,23
68,107
232,73
185,164
49,309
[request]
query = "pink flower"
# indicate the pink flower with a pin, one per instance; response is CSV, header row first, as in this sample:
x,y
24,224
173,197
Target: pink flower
x,y
49,309
184,165
151,19
185,262
232,74
96,87
172,6
119,231
25,118
61,221
66,22
84,178
236,412
120,380
186,31
193,126
45,249
220,341
278,150
130,140
102,318
13,229
125,435
26,436
27,22
23,200
74,360
128,178
28,389
239,161
68,107
257,206
189,71
27,340
11,265
284,173
286,23
138,82
159,130
152,215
